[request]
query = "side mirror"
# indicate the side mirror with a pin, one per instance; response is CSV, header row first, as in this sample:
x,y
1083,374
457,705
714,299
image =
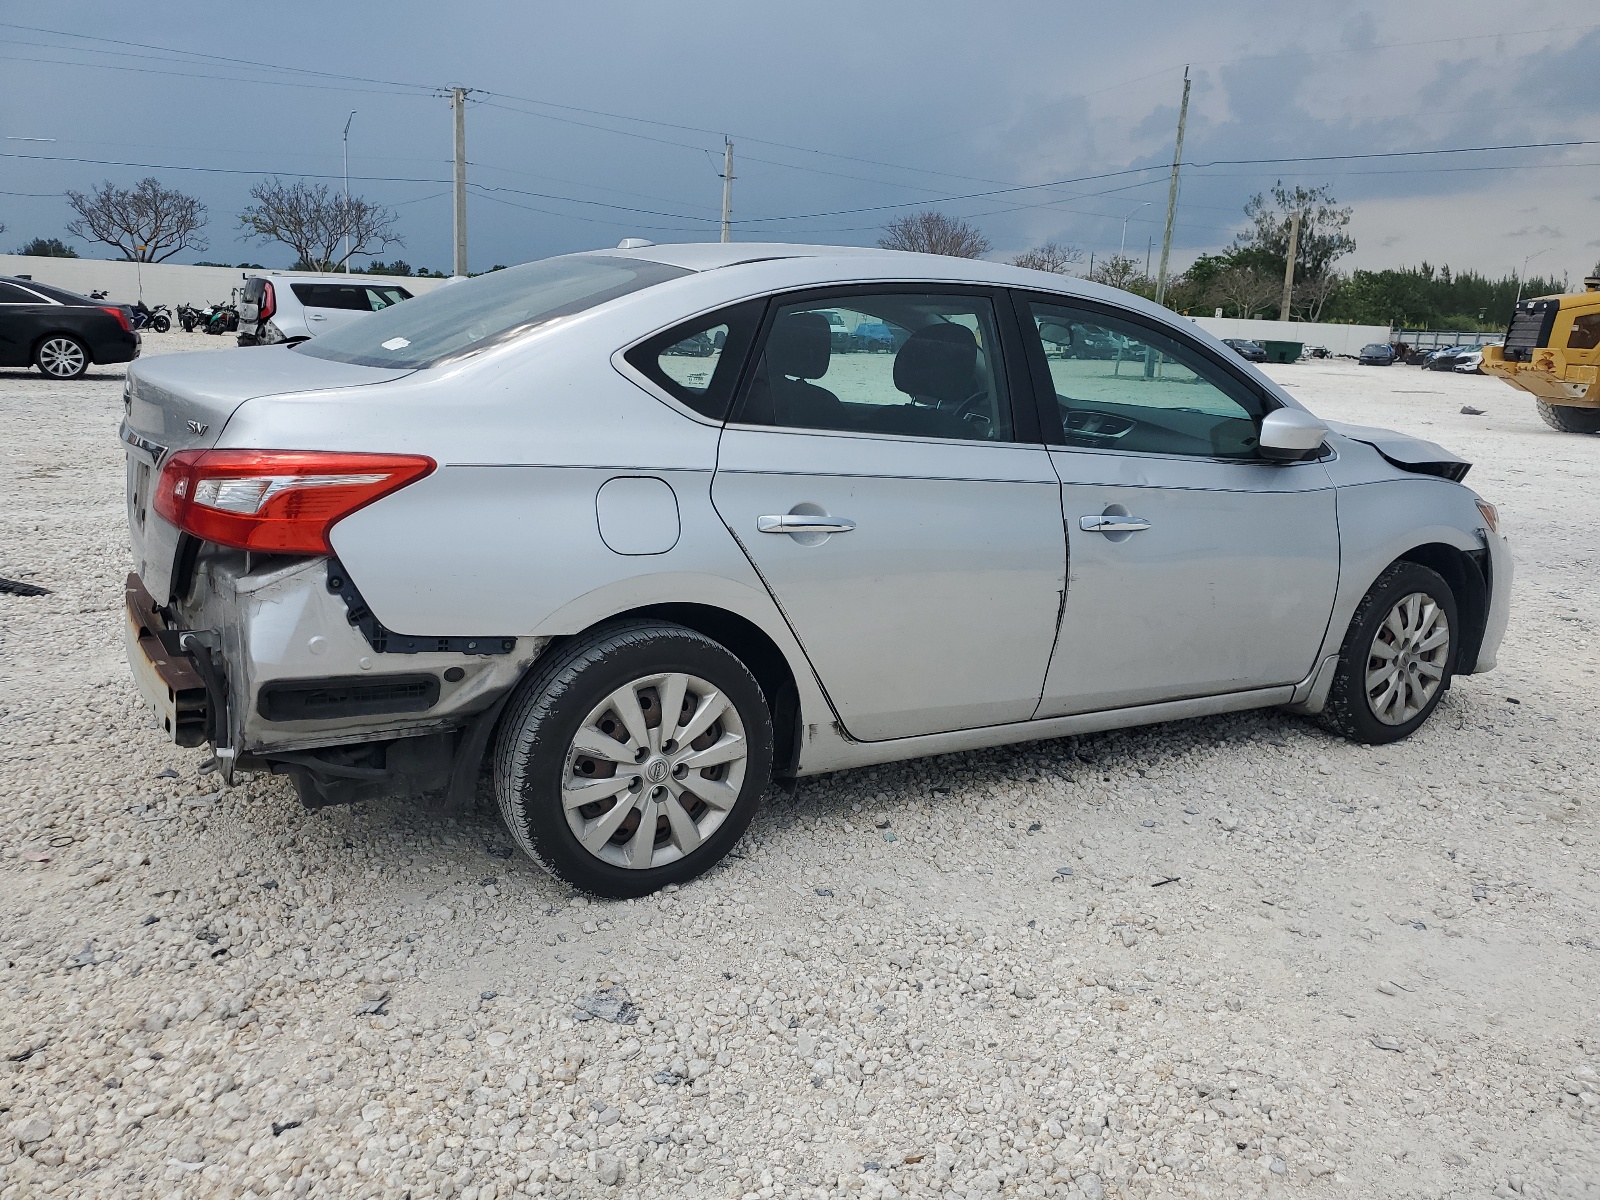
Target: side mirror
x,y
1060,335
1290,435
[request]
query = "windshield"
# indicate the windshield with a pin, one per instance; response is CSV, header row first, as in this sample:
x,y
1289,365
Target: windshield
x,y
474,314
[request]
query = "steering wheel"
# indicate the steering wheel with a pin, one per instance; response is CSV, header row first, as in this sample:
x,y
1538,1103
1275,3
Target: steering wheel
x,y
964,409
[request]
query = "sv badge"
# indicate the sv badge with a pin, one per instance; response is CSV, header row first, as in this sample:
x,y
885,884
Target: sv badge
x,y
197,428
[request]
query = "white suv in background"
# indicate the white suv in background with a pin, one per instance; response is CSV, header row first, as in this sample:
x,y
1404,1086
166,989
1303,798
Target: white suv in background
x,y
292,308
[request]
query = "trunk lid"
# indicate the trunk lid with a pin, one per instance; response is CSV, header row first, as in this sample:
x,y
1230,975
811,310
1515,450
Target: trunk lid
x,y
182,402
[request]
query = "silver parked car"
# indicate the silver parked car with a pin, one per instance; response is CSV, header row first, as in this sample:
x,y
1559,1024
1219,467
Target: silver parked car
x,y
634,529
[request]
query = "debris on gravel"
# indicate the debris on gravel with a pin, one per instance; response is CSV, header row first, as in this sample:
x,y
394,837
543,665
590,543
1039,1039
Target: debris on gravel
x,y
1028,992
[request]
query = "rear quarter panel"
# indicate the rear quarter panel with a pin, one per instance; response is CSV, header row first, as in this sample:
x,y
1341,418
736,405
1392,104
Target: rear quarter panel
x,y
503,538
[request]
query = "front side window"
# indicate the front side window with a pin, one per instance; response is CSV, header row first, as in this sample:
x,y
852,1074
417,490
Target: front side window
x,y
379,298
465,317
1121,385
907,363
1585,333
10,293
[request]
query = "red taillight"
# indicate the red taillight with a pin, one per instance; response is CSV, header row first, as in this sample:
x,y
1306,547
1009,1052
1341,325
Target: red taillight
x,y
122,317
269,302
276,501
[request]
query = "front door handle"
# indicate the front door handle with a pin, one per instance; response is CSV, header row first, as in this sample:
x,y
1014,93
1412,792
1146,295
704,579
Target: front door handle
x,y
1100,523
804,523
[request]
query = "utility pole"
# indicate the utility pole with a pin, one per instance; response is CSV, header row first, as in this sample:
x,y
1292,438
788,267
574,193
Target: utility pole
x,y
1172,193
1288,267
347,121
727,190
458,105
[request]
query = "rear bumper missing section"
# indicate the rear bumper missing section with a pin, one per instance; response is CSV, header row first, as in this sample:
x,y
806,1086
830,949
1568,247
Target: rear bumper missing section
x,y
167,679
263,661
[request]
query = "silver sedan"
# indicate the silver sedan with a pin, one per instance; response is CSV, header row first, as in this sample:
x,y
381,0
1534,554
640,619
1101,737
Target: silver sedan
x,y
637,531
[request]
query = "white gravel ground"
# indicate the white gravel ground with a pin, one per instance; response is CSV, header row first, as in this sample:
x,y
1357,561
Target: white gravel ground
x,y
1228,957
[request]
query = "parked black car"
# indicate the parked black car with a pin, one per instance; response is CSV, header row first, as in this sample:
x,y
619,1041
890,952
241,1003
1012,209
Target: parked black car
x,y
1446,359
1245,348
1378,354
59,332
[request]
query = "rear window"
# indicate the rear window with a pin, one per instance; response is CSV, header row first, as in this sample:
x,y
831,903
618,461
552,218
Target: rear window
x,y
54,293
332,295
474,314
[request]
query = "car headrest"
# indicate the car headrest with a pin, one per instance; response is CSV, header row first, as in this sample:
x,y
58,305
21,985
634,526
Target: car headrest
x,y
799,345
939,362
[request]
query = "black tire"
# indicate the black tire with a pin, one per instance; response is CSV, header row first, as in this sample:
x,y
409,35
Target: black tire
x,y
160,323
1569,419
61,356
552,704
1349,709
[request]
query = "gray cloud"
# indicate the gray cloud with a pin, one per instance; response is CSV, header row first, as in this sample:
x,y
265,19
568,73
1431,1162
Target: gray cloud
x,y
915,102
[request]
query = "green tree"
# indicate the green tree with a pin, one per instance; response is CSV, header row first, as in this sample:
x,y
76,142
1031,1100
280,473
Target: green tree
x,y
48,248
1324,236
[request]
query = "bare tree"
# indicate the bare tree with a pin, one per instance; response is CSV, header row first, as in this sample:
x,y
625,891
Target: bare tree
x,y
1120,271
147,222
1312,295
313,221
1052,256
931,232
1246,290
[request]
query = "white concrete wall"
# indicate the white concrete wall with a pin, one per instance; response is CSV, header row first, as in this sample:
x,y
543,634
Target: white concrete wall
x,y
163,283
1341,339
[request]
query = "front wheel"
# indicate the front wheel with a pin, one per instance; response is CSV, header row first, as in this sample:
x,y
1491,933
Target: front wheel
x,y
1398,657
1569,419
61,357
634,758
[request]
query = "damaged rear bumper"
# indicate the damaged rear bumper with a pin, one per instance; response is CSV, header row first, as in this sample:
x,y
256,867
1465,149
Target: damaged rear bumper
x,y
269,663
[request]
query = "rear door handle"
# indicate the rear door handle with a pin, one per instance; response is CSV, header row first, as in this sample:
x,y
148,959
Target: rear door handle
x,y
804,523
1100,523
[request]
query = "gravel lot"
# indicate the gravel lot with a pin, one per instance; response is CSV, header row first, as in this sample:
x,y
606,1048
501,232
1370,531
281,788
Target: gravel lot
x,y
1228,957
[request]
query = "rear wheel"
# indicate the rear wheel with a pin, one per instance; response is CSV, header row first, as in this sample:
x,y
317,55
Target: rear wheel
x,y
1398,657
1569,419
634,758
160,323
61,357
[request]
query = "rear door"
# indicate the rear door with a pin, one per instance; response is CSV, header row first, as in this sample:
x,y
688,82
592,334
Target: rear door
x,y
907,524
332,305
22,316
1196,567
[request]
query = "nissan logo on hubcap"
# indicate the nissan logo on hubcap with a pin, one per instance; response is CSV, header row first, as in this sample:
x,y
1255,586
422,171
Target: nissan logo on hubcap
x,y
656,771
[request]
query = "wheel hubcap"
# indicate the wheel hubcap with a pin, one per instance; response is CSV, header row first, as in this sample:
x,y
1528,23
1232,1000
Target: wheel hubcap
x,y
654,770
1406,663
61,357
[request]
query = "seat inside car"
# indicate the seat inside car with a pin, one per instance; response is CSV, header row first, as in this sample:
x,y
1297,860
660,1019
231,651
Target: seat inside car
x,y
938,369
799,349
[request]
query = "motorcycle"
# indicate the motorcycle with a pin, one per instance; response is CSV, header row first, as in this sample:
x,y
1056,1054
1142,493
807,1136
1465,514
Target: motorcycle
x,y
189,316
100,294
223,318
157,318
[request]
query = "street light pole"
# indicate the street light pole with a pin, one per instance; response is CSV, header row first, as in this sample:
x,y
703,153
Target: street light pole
x,y
347,121
1522,278
1123,251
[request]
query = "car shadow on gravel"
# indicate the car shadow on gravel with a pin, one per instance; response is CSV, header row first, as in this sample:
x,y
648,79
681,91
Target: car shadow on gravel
x,y
28,375
838,796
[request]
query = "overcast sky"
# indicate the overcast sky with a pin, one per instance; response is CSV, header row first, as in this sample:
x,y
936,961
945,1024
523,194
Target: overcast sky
x,y
842,117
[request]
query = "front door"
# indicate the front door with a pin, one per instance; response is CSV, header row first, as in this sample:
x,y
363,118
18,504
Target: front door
x,y
912,541
1196,567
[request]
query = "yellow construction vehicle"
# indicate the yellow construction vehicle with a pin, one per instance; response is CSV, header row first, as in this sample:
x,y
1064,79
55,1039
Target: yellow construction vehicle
x,y
1553,350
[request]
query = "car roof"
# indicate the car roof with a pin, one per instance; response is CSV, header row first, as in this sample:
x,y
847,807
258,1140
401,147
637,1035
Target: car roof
x,y
54,293
831,265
